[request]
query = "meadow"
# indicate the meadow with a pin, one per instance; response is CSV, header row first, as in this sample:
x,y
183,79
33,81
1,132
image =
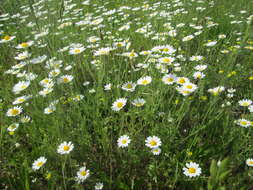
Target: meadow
x,y
126,95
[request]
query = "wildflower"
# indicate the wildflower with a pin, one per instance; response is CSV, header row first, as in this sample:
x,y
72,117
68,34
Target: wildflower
x,y
22,56
129,86
216,91
166,60
153,142
65,147
187,38
37,164
123,141
245,102
198,75
25,119
20,100
14,111
249,162
7,39
65,79
210,44
144,80
196,58
20,86
169,79
250,108
102,51
76,50
82,174
182,80
49,110
131,54
192,169
13,127
119,104
243,123
99,186
156,151
25,45
108,87
138,102
189,86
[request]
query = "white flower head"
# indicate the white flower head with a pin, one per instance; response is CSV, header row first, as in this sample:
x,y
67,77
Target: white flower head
x,y
65,147
192,169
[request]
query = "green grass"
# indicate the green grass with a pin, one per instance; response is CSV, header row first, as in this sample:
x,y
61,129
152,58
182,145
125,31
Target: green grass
x,y
200,127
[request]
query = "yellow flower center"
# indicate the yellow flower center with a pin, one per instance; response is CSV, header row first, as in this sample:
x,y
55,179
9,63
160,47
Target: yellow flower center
x,y
119,104
7,37
83,173
153,143
124,141
119,45
66,148
129,86
166,49
245,104
21,100
166,60
14,112
145,82
189,86
250,162
243,122
182,80
24,45
170,79
65,80
192,170
77,50
39,164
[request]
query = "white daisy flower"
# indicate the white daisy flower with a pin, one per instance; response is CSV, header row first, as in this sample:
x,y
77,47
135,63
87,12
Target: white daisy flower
x,y
156,151
20,86
139,102
13,127
249,162
144,80
169,79
37,164
245,102
119,104
82,174
129,86
123,141
153,142
76,50
12,112
65,147
192,169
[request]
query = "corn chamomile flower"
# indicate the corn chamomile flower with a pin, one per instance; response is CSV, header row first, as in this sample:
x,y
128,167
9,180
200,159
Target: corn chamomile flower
x,y
216,91
25,45
245,102
65,147
103,51
13,127
25,119
20,100
169,79
20,86
166,60
196,58
123,141
12,112
129,86
76,50
182,80
49,110
198,75
7,39
243,123
249,162
138,102
37,164
156,151
192,169
99,186
153,142
65,79
82,174
22,56
144,80
119,104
